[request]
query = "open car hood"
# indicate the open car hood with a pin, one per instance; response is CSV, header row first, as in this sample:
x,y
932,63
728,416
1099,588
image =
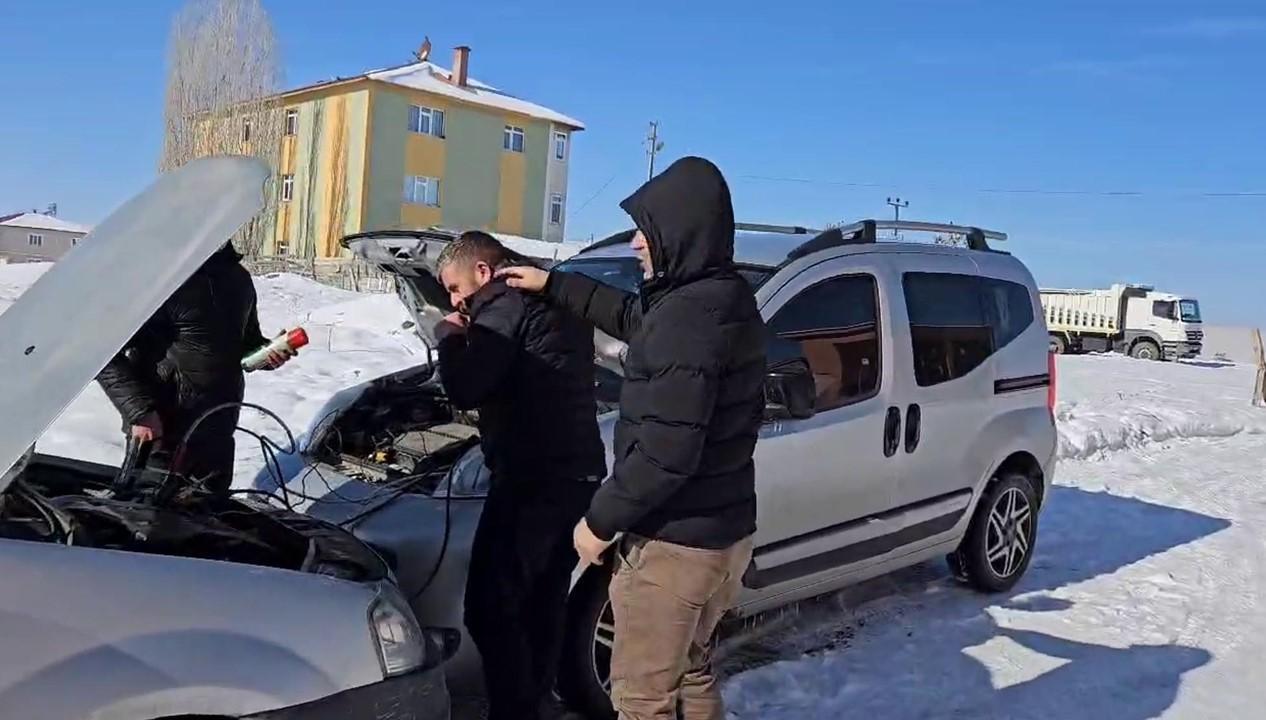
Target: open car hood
x,y
66,327
410,255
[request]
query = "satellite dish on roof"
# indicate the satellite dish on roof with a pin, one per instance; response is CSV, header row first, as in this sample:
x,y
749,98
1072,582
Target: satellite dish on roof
x,y
424,50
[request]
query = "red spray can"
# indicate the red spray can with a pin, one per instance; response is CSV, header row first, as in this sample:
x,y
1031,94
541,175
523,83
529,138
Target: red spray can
x,y
291,341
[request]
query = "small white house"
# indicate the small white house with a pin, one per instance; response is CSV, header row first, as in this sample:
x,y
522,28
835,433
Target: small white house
x,y
32,237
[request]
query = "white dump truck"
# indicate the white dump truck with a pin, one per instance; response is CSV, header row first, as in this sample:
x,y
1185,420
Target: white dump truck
x,y
1132,319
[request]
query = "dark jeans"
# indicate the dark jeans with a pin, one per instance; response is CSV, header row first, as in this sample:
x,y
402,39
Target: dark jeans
x,y
207,458
516,593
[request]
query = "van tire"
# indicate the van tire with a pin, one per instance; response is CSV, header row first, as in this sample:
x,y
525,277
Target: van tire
x,y
1002,536
1145,350
578,683
1059,345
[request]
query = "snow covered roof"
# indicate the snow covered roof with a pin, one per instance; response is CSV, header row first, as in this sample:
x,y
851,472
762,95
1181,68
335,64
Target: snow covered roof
x,y
36,221
431,78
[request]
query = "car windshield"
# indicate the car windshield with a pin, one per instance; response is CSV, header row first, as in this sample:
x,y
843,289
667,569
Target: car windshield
x,y
625,273
1190,311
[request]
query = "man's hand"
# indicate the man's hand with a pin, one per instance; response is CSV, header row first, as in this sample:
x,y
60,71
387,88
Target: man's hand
x,y
149,428
454,323
525,278
588,545
277,358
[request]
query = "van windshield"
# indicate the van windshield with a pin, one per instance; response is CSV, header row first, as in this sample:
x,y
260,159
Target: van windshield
x,y
1190,310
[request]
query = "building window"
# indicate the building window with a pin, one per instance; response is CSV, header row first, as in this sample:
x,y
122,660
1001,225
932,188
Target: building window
x,y
292,122
287,187
512,139
426,121
35,240
555,209
422,190
75,241
560,146
246,131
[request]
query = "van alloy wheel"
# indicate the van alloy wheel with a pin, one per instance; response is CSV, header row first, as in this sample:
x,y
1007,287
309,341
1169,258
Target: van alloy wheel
x,y
1007,543
584,671
1001,537
603,646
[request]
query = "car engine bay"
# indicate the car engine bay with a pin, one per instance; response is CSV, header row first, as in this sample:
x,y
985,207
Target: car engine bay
x,y
73,502
398,431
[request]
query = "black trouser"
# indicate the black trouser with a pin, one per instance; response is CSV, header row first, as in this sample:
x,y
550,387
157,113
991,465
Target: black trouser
x,y
207,458
516,593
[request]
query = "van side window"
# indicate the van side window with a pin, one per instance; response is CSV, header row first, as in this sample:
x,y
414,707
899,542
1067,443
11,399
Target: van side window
x,y
832,326
949,328
1011,307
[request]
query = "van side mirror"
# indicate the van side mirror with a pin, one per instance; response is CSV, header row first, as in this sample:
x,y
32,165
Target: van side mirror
x,y
790,392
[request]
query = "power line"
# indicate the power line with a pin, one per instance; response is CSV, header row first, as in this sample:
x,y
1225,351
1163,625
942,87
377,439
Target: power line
x,y
595,195
1015,191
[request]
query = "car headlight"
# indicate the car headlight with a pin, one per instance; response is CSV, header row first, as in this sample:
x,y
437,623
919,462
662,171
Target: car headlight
x,y
400,644
404,646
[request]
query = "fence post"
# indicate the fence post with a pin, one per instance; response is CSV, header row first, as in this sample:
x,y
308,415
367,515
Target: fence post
x,y
1259,355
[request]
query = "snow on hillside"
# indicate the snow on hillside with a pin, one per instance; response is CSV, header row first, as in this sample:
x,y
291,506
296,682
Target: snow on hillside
x,y
1232,343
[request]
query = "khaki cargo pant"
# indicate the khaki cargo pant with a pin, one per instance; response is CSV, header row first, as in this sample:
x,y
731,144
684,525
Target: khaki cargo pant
x,y
667,600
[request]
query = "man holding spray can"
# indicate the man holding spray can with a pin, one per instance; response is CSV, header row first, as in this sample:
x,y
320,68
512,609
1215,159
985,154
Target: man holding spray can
x,y
187,360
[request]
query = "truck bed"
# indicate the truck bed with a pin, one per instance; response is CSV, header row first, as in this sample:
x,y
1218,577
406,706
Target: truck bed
x,y
1082,311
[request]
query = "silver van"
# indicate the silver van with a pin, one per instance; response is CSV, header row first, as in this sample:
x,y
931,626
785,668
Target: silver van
x,y
908,416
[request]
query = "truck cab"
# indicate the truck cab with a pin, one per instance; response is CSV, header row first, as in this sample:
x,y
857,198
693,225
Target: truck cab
x,y
1173,319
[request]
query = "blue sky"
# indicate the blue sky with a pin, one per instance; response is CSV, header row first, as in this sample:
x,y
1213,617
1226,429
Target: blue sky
x,y
816,111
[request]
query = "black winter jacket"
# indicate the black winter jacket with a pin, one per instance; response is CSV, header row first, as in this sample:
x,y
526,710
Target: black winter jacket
x,y
187,357
690,406
528,368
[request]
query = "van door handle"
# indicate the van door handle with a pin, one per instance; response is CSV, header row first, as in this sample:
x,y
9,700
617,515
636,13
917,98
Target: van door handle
x,y
892,431
914,427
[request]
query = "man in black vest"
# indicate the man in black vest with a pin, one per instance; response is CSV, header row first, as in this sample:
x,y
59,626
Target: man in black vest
x,y
527,367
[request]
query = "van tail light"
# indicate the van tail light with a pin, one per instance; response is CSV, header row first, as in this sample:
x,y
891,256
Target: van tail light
x,y
1051,393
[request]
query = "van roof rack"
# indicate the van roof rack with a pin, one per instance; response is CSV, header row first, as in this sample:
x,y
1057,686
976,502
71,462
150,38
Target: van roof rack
x,y
864,232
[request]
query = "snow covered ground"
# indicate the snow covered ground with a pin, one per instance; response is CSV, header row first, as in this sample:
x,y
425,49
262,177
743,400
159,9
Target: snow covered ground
x,y
1142,601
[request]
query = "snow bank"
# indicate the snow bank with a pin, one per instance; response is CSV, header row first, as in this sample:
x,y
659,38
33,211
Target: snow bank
x,y
354,338
1110,403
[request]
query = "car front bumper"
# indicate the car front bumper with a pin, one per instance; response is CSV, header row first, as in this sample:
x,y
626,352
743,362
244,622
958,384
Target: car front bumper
x,y
416,696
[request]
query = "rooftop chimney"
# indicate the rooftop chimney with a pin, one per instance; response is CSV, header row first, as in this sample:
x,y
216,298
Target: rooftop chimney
x,y
461,66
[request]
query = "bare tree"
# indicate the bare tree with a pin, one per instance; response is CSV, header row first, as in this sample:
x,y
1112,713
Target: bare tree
x,y
223,80
951,239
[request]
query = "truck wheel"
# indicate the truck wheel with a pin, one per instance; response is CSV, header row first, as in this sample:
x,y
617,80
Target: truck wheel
x,y
1059,346
1145,350
999,542
584,672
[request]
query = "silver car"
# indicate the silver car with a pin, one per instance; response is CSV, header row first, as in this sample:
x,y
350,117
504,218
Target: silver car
x,y
120,603
908,416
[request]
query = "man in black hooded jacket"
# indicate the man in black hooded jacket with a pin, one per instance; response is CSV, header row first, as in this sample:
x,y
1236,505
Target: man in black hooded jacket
x,y
185,361
682,493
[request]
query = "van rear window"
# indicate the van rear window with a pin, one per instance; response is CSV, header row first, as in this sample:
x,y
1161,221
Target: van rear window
x,y
958,321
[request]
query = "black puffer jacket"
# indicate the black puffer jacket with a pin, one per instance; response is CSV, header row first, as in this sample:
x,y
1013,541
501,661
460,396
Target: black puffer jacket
x,y
528,368
690,407
187,357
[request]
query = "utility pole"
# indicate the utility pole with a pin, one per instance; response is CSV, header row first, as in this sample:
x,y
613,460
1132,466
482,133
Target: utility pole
x,y
653,146
897,204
